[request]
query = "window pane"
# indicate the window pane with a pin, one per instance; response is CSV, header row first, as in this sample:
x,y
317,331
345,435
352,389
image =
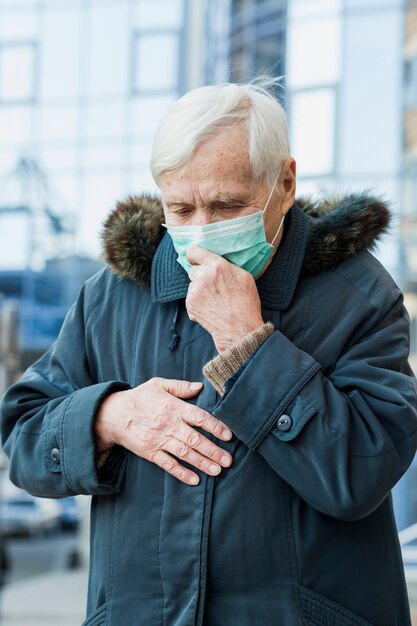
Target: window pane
x,y
60,59
105,120
16,72
18,25
14,239
109,46
13,4
147,112
8,159
364,4
143,180
312,130
100,195
15,124
159,14
269,55
239,6
372,75
141,154
314,52
58,123
156,62
104,156
306,8
52,159
67,187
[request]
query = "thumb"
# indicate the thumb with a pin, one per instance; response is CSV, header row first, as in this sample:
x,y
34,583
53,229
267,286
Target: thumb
x,y
180,388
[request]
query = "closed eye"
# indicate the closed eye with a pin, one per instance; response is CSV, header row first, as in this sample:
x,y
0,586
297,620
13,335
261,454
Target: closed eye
x,y
182,212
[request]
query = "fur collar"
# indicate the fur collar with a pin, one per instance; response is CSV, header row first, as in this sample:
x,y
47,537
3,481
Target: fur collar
x,y
339,229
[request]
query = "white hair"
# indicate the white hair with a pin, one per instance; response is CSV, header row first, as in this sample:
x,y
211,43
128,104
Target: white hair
x,y
202,112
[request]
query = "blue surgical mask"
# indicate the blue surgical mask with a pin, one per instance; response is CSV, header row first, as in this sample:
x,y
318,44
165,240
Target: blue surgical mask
x,y
241,240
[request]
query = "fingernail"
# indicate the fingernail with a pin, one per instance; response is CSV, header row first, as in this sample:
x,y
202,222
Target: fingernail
x,y
225,460
194,386
194,480
215,469
227,434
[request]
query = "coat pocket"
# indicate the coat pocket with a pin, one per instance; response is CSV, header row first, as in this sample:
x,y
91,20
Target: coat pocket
x,y
97,617
320,611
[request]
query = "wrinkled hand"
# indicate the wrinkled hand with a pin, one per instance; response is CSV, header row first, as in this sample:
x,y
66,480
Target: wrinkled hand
x,y
153,421
222,298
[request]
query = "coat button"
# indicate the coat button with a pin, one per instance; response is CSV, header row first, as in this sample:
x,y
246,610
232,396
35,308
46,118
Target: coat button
x,y
284,423
55,455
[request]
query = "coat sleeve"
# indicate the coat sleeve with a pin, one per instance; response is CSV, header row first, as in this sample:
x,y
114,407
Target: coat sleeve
x,y
341,440
47,420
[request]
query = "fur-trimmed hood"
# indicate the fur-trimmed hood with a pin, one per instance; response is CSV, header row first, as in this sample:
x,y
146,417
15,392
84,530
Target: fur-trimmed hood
x,y
339,229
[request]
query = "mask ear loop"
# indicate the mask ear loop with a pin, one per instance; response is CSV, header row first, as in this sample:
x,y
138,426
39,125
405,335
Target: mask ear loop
x,y
266,206
278,231
271,192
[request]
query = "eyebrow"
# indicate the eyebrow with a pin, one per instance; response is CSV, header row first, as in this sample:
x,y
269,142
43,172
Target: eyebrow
x,y
221,201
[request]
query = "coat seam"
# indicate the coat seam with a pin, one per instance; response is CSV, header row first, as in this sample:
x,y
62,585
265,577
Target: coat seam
x,y
64,394
103,299
364,296
345,436
133,369
62,441
204,541
305,316
394,447
111,569
159,556
292,550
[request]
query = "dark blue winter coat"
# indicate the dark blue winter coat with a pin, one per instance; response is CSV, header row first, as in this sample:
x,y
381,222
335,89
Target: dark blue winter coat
x,y
300,529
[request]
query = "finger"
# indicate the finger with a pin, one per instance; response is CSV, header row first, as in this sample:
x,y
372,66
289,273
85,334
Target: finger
x,y
198,417
179,388
197,255
193,273
207,448
185,453
171,465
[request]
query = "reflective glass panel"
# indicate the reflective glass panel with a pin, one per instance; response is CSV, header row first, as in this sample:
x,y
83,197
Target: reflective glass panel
x,y
17,63
156,62
312,131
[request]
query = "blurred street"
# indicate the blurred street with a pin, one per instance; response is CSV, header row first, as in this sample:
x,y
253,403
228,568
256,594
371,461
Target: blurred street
x,y
44,585
56,598
30,557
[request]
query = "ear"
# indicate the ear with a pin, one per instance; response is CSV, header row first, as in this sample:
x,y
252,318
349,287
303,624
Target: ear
x,y
288,183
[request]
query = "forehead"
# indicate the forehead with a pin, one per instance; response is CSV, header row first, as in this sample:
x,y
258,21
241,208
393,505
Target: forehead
x,y
220,164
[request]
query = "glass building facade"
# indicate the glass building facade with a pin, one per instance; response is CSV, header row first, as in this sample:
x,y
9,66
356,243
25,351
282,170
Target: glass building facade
x,y
82,86
345,99
247,38
339,59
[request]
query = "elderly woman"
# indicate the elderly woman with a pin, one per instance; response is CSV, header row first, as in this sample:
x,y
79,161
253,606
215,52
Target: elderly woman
x,y
233,390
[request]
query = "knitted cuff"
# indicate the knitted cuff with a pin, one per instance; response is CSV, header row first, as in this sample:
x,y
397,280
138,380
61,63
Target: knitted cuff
x,y
223,366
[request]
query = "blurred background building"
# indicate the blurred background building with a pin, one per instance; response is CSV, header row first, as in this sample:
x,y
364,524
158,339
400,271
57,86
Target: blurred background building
x,y
83,84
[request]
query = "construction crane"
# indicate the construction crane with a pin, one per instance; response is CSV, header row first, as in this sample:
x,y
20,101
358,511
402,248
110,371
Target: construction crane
x,y
47,233
27,190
